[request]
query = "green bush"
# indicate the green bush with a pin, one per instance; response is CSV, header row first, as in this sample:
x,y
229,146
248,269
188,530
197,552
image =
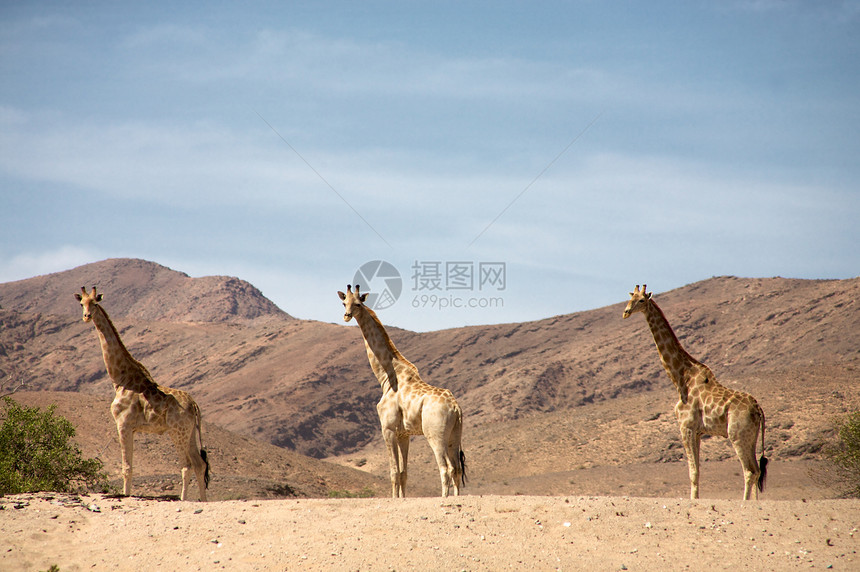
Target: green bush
x,y
843,458
36,453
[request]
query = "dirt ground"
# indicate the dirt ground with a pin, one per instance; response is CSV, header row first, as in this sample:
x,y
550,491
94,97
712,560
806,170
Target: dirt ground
x,y
463,533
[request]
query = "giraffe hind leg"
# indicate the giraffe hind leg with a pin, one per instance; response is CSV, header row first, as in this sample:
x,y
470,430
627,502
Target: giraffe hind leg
x,y
457,456
453,457
185,461
191,459
200,462
743,432
762,462
762,477
446,466
752,472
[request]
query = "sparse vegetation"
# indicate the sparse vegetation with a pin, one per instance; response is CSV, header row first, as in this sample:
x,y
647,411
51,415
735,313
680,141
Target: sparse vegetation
x,y
842,468
364,493
281,490
37,454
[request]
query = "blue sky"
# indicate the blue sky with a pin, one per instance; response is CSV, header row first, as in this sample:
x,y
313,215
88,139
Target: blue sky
x,y
586,146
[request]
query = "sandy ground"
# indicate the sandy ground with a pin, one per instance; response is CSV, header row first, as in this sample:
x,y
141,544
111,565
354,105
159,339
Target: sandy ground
x,y
463,533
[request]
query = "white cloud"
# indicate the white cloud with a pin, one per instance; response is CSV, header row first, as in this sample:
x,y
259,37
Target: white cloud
x,y
165,36
180,164
29,264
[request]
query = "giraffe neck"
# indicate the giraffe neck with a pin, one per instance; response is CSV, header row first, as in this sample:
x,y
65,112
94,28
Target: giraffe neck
x,y
384,357
674,357
122,368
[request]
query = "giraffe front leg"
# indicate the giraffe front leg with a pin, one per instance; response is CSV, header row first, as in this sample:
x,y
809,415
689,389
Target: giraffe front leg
x,y
126,444
186,478
393,461
691,441
403,452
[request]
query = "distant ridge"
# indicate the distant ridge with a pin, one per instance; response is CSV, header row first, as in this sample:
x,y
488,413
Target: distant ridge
x,y
142,290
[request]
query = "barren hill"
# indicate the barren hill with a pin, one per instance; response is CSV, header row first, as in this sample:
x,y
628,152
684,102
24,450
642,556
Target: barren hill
x,y
140,290
578,392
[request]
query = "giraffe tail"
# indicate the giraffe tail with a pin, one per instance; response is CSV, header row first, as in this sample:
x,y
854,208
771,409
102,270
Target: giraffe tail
x,y
204,456
461,456
762,462
203,453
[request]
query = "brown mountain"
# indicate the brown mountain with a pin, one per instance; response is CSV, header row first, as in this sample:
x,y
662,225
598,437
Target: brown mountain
x,y
142,291
548,403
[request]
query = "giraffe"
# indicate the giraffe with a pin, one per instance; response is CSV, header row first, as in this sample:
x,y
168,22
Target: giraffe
x,y
408,405
705,407
142,405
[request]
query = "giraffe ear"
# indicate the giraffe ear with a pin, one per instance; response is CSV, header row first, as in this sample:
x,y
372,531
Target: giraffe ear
x,y
648,296
99,298
341,295
362,298
78,297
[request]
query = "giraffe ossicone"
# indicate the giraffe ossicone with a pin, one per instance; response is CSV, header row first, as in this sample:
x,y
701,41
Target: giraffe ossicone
x,y
408,406
141,405
704,406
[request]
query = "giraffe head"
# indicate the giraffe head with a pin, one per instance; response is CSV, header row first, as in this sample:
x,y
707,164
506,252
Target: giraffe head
x,y
88,301
351,301
638,301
